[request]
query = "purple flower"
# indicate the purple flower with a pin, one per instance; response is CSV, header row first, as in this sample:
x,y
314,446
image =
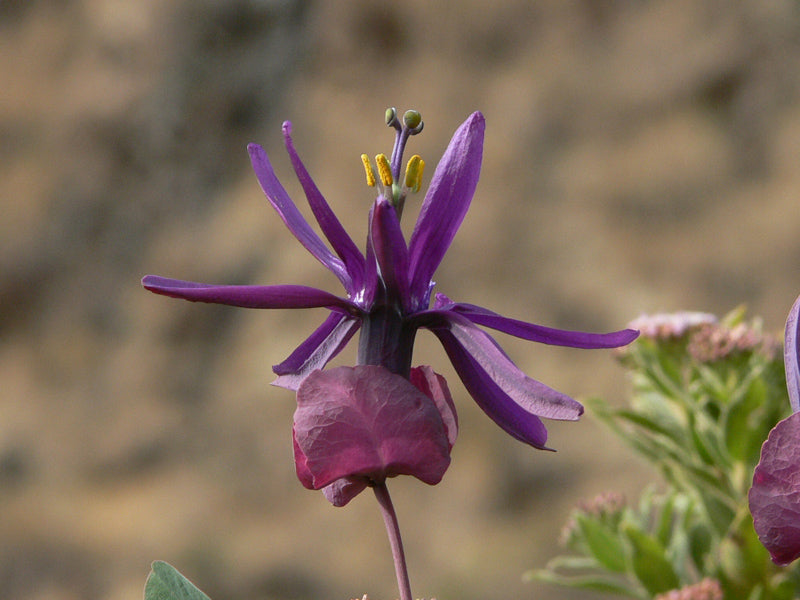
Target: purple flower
x,y
356,426
388,289
775,494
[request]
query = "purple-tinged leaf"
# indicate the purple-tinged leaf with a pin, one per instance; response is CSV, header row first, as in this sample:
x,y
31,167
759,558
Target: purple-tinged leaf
x,y
291,216
340,240
537,333
775,495
445,205
247,296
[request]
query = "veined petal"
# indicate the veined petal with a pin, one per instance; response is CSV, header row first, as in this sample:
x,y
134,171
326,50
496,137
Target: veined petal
x,y
390,250
314,353
499,406
790,356
247,296
533,396
446,203
365,421
339,239
289,213
537,333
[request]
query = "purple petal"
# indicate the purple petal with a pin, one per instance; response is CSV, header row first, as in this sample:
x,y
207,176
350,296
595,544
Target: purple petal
x,y
533,396
367,422
790,356
499,406
314,353
288,212
247,296
340,241
775,495
537,333
446,203
390,250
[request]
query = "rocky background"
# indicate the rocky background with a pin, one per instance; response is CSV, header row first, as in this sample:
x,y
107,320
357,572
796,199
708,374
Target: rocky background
x,y
640,156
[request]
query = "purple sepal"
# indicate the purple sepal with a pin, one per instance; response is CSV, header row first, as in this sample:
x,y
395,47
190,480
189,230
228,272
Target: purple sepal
x,y
316,351
536,333
790,357
446,203
291,216
532,396
391,252
498,406
247,296
339,239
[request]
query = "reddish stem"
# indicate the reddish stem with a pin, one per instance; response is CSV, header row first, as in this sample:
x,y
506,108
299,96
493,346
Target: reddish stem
x,y
393,530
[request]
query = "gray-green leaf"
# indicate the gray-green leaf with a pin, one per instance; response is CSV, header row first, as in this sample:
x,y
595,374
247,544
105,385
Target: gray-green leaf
x,y
166,583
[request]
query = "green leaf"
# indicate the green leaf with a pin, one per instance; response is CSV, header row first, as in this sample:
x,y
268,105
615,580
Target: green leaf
x,y
166,583
699,545
604,545
650,563
742,419
587,582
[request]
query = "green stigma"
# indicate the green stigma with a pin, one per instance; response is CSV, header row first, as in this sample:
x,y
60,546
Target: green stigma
x,y
413,121
387,177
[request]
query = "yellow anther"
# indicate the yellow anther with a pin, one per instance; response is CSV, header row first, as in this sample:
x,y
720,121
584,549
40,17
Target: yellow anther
x,y
384,170
414,170
369,170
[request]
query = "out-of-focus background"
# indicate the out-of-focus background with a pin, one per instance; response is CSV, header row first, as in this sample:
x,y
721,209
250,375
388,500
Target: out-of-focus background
x,y
640,157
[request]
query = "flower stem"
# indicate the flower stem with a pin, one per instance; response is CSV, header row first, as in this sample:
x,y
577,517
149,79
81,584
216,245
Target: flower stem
x,y
393,529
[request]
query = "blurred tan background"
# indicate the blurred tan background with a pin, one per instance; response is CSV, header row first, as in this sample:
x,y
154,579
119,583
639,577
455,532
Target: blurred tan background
x,y
640,156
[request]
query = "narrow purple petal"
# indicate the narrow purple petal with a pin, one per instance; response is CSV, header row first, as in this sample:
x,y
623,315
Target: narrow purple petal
x,y
775,495
390,250
314,353
295,222
446,203
499,406
537,333
247,296
533,396
790,355
339,239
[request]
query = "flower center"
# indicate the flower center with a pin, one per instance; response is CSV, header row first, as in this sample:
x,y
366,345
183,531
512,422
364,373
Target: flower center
x,y
388,179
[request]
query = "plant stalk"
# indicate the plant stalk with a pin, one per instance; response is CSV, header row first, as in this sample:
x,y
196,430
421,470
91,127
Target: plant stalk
x,y
393,530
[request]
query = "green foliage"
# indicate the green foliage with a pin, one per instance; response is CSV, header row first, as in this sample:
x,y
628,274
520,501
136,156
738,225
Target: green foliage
x,y
166,583
704,397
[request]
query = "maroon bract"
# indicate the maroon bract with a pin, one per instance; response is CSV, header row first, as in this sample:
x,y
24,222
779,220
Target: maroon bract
x,y
356,426
775,494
